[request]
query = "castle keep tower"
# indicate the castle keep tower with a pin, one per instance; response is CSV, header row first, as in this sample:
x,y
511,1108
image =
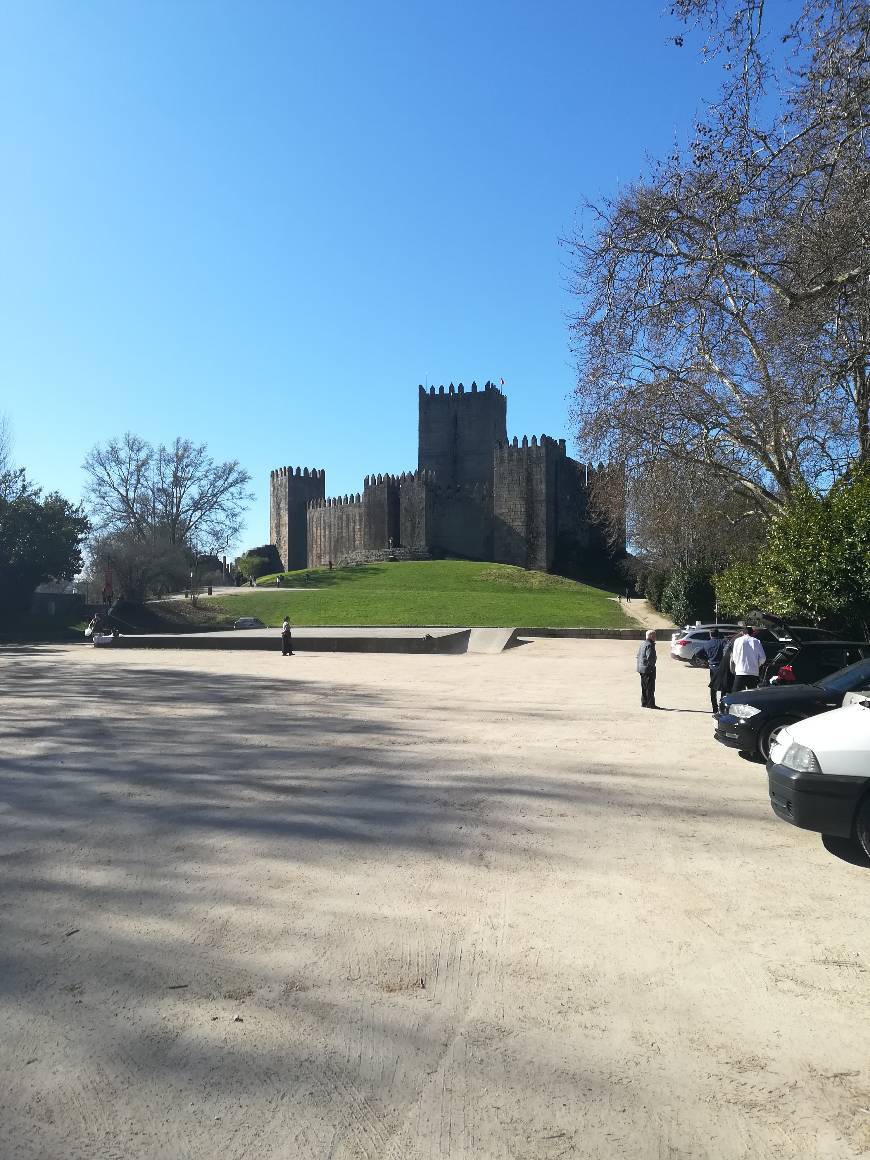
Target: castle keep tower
x,y
458,430
291,490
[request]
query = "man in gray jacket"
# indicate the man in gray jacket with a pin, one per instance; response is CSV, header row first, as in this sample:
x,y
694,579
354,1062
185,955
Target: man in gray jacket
x,y
646,666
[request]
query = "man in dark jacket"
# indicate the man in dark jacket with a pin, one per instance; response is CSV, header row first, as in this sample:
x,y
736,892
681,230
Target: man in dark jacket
x,y
722,678
712,653
646,666
286,639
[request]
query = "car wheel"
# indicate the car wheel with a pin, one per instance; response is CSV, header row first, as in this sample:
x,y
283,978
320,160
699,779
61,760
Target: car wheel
x,y
769,734
862,823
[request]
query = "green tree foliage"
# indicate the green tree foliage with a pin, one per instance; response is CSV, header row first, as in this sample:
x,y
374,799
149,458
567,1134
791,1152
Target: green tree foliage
x,y
40,539
654,583
252,566
816,563
270,554
688,596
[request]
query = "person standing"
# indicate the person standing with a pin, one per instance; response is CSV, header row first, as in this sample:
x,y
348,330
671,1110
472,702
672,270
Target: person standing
x,y
646,666
286,639
748,656
712,652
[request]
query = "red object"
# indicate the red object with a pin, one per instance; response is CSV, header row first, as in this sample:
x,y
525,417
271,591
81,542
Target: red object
x,y
786,673
681,642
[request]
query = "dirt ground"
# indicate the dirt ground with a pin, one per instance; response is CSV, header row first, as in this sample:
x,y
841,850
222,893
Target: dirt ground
x,y
452,908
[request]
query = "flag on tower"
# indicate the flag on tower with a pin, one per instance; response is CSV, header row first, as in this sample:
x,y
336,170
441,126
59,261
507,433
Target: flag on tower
x,y
501,382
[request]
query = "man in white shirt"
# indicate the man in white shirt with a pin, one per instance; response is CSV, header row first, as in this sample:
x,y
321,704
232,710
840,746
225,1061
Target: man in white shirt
x,y
747,657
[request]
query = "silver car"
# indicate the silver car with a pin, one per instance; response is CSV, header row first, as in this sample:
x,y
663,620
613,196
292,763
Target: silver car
x,y
688,642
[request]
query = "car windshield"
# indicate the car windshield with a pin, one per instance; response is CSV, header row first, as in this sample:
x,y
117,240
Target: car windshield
x,y
846,680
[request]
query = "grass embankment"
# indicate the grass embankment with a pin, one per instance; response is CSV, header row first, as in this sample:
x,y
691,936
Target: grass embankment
x,y
437,592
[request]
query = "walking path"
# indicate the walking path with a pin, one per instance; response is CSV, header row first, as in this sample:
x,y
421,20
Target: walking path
x,y
644,613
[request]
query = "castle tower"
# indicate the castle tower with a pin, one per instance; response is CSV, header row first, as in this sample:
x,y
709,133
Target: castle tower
x,y
458,431
290,492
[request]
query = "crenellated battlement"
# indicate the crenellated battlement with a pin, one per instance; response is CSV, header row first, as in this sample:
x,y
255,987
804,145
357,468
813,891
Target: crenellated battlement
x,y
406,477
298,472
526,444
334,501
451,390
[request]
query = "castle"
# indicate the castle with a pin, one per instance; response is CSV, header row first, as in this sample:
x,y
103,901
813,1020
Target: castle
x,y
475,494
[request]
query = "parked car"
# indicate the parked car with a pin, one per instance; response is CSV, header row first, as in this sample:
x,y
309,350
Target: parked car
x,y
808,661
248,622
771,631
754,718
818,774
689,641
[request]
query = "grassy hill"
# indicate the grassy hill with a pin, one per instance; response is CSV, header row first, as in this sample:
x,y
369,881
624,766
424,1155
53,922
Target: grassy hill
x,y
437,592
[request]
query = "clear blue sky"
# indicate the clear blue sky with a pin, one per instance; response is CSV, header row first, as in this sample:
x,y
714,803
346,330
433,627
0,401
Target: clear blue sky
x,y
260,225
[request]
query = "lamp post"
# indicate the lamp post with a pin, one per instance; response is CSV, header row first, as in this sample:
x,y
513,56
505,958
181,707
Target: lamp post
x,y
193,578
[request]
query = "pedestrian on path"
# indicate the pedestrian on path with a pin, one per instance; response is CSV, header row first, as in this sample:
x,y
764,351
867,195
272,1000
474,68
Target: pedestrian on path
x,y
646,666
748,656
286,639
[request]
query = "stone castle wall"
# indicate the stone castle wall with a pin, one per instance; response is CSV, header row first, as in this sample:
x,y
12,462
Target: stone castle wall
x,y
524,508
336,529
461,520
291,490
457,430
474,495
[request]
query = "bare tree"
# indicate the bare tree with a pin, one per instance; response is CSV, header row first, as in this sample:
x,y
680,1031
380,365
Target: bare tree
x,y
176,494
723,323
5,444
13,480
675,515
120,486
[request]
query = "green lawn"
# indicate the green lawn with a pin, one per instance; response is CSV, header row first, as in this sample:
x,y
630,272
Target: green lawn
x,y
437,592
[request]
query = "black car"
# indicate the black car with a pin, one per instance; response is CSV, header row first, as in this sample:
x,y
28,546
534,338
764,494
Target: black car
x,y
781,642
754,717
802,654
808,661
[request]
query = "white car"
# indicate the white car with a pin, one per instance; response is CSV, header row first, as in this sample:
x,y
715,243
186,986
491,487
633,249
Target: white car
x,y
689,641
818,773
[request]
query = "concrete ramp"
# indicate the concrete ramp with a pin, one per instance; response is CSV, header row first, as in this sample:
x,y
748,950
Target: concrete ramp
x,y
491,640
446,641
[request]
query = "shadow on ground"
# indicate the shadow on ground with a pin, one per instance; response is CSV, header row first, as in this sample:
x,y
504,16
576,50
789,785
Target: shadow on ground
x,y
177,847
847,850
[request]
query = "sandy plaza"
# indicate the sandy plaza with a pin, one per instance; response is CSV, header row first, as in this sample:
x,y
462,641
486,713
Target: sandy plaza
x,y
362,906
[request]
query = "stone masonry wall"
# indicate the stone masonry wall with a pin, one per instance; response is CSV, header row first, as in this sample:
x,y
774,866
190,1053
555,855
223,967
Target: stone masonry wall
x,y
290,492
457,431
335,529
381,511
524,501
415,510
461,521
